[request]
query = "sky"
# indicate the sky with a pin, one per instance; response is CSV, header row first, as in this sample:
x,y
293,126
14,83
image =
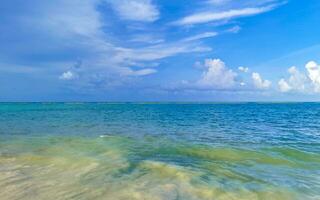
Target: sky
x,y
160,50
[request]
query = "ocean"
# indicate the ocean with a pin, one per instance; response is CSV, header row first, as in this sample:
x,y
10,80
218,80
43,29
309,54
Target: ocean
x,y
166,151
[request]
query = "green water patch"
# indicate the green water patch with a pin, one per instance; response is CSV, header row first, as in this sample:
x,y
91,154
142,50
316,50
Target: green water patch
x,y
119,167
241,156
296,155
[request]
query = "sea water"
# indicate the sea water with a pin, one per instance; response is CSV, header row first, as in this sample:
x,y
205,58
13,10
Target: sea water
x,y
159,151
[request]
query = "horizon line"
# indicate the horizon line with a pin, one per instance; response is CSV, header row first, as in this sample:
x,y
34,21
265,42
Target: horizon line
x,y
160,102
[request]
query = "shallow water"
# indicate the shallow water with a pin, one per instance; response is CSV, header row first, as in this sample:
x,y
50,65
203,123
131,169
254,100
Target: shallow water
x,y
159,151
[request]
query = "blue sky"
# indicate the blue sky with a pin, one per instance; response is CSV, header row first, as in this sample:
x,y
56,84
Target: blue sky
x,y
160,50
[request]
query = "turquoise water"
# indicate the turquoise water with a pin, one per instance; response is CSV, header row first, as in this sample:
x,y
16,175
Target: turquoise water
x,y
159,151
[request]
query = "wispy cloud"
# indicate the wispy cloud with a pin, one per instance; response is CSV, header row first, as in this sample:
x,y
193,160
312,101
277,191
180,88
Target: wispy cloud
x,y
136,10
146,38
234,29
108,53
218,2
141,72
75,29
205,17
201,36
157,52
68,17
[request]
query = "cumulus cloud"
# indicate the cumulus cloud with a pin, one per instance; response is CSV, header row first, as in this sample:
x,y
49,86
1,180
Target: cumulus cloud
x,y
205,17
136,10
217,75
284,85
68,75
314,74
243,69
296,82
308,82
259,83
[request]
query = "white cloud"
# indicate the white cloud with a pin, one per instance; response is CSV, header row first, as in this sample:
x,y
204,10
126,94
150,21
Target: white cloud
x,y
217,75
201,36
142,72
205,17
157,52
136,10
145,38
68,75
75,28
243,69
284,85
243,83
234,29
314,74
302,82
218,2
259,83
296,82
77,17
80,23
